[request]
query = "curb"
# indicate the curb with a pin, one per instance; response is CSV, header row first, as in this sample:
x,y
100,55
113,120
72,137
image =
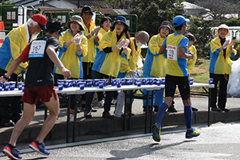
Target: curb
x,y
98,125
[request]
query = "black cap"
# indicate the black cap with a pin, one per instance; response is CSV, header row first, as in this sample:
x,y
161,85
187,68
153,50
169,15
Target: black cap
x,y
86,9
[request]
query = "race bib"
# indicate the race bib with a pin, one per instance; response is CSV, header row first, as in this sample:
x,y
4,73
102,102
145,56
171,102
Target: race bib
x,y
37,49
172,52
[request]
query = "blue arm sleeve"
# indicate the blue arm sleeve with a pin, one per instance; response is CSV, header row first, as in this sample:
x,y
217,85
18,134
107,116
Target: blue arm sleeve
x,y
232,55
217,52
164,43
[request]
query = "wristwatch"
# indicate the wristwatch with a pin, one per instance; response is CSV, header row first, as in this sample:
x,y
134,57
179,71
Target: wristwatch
x,y
7,78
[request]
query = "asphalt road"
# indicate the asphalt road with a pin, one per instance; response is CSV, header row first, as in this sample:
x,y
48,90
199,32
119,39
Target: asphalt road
x,y
220,141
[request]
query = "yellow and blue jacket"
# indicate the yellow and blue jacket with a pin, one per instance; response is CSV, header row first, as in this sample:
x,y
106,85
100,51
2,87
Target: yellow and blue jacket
x,y
109,63
100,35
12,46
176,66
191,62
155,64
218,63
69,55
91,46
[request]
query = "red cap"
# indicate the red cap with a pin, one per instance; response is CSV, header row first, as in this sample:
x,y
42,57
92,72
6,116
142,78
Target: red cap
x,y
41,20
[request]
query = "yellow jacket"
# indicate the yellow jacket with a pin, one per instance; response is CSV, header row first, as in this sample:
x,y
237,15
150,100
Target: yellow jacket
x,y
191,62
109,63
131,62
12,46
69,55
155,64
218,63
91,46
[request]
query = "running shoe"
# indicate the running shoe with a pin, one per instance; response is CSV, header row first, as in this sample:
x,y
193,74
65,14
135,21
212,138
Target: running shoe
x,y
192,133
101,103
39,147
156,135
12,153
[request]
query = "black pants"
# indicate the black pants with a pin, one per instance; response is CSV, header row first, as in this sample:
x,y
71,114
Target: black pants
x,y
10,107
87,71
222,98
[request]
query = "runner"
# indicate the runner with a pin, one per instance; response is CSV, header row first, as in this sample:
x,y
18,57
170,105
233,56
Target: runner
x,y
177,74
38,84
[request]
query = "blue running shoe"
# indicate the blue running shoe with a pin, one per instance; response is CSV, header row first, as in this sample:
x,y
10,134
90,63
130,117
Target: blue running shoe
x,y
192,133
39,147
12,153
156,135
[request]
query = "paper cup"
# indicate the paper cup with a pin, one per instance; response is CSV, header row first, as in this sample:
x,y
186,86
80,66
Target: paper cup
x,y
1,86
114,82
210,80
20,86
89,83
101,84
151,81
12,85
191,81
158,81
163,80
119,83
6,86
82,85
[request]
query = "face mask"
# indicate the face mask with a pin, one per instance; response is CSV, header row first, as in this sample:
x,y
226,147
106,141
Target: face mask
x,y
139,44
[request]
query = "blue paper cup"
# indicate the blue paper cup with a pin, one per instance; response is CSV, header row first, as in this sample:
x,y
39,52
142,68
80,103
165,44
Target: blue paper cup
x,y
119,83
114,82
1,86
23,87
60,86
89,83
66,83
82,85
163,80
191,81
96,82
210,80
101,84
106,82
151,81
144,81
129,81
138,82
12,85
61,81
74,83
20,86
158,81
123,80
6,86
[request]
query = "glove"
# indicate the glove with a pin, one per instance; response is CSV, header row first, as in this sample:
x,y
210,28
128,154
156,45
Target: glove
x,y
120,45
126,43
94,31
226,43
131,73
97,31
78,39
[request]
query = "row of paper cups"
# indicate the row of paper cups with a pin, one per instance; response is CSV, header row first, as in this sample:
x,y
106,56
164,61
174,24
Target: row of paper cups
x,y
10,86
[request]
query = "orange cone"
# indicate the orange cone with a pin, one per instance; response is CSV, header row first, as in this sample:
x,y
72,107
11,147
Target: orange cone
x,y
2,34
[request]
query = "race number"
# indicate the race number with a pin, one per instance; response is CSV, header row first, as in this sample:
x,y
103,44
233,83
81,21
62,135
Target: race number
x,y
172,52
37,49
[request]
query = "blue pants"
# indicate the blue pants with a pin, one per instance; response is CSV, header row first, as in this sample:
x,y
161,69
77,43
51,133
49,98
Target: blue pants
x,y
158,97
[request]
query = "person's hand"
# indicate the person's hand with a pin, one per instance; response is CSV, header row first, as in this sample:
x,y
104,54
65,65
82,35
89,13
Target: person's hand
x,y
120,45
66,72
131,73
191,55
97,30
78,39
3,80
126,43
94,31
226,43
232,42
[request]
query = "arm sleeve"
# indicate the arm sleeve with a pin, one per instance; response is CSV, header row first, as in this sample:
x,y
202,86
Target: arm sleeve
x,y
25,53
107,49
215,49
84,46
154,45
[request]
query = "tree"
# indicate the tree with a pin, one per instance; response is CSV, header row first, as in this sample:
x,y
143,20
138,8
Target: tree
x,y
118,4
202,31
218,9
151,13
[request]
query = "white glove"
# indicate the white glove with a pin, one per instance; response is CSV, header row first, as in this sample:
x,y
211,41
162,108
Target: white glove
x,y
94,31
226,43
126,43
120,45
192,55
97,31
78,39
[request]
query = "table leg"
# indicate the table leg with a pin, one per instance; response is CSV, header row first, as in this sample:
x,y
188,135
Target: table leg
x,y
151,115
130,111
209,104
68,115
125,110
146,113
74,123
